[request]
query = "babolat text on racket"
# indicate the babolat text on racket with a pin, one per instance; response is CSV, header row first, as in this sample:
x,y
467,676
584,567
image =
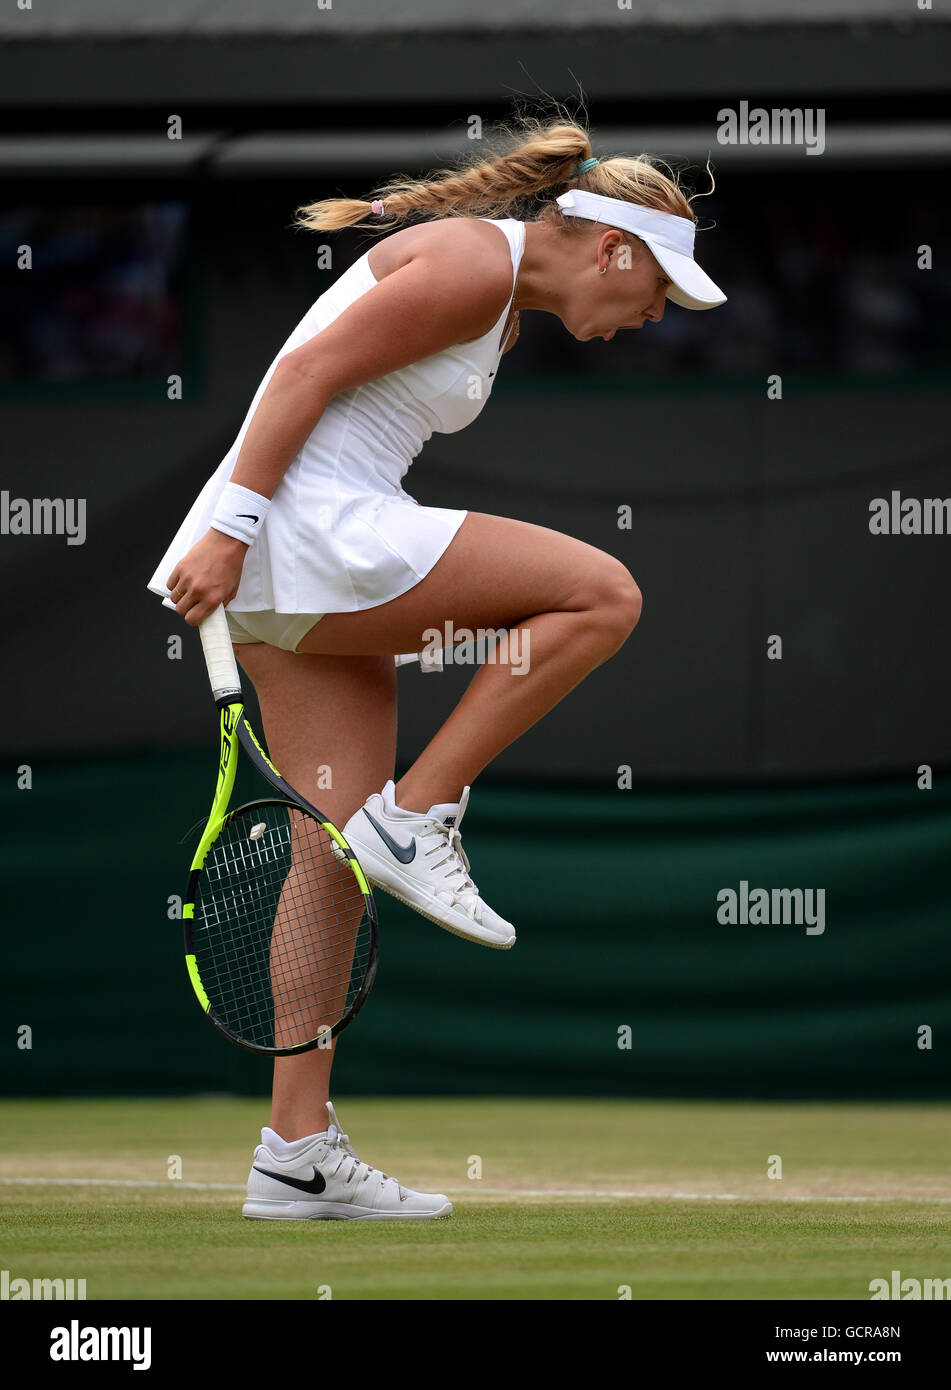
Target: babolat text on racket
x,y
280,925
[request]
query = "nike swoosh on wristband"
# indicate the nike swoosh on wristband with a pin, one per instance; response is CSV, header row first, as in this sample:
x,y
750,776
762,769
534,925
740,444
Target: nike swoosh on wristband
x,y
247,514
315,1185
404,853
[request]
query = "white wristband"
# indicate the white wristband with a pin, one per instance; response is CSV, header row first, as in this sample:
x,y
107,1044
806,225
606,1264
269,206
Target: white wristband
x,y
240,513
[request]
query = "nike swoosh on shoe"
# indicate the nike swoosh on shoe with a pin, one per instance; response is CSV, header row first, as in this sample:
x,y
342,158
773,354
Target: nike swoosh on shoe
x,y
315,1185
404,853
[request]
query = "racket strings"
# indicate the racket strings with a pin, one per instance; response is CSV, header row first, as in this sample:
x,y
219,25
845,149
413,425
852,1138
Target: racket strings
x,y
282,936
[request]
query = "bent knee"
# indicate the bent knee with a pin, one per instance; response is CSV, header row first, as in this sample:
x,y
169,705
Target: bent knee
x,y
616,601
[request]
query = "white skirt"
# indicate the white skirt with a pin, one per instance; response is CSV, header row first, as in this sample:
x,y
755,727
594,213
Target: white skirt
x,y
375,548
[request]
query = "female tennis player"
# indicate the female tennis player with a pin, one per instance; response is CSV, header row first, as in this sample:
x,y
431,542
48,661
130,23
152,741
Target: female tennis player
x,y
329,569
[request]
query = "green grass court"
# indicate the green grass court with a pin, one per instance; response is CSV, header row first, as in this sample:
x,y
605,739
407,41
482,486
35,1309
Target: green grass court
x,y
576,1198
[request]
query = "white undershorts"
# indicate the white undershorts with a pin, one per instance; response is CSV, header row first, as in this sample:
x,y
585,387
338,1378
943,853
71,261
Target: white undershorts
x,y
283,630
286,630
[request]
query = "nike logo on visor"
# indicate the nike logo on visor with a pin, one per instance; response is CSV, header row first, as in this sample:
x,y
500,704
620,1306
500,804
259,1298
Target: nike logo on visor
x,y
314,1185
404,853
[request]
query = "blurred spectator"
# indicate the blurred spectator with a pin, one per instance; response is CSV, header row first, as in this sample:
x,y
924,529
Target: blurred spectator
x,y
878,316
101,302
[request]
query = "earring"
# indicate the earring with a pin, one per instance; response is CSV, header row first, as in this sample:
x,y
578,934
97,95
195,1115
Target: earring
x,y
603,269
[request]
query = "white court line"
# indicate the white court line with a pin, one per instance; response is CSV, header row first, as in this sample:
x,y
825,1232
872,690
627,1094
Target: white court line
x,y
123,1182
483,1191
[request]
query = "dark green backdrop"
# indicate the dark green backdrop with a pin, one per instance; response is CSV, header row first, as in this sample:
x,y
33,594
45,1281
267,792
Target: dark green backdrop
x,y
613,893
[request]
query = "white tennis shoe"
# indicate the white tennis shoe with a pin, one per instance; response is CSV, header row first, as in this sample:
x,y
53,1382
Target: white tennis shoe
x,y
321,1178
420,860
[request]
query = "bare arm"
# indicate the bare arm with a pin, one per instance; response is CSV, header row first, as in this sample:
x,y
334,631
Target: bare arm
x,y
439,298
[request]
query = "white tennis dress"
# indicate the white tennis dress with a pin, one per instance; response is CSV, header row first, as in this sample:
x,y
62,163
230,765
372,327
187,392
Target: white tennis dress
x,y
341,534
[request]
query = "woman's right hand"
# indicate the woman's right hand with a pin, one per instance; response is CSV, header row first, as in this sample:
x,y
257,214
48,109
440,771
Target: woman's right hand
x,y
207,576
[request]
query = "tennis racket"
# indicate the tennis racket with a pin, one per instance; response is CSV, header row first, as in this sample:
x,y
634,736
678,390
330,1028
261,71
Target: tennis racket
x,y
280,924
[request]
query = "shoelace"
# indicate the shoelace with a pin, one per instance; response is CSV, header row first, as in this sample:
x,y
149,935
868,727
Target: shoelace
x,y
336,1139
464,894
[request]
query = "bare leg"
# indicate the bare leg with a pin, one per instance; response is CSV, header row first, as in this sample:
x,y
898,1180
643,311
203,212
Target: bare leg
x,y
576,604
337,713
315,933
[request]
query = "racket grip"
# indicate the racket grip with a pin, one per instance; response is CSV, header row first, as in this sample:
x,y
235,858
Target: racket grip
x,y
219,655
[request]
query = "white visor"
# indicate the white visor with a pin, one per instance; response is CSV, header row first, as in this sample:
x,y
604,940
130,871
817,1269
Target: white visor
x,y
670,239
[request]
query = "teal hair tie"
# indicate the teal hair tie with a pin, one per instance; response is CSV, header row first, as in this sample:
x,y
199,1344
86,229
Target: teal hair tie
x,y
585,165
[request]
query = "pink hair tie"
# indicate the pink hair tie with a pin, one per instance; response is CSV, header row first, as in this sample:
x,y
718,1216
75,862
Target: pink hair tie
x,y
377,207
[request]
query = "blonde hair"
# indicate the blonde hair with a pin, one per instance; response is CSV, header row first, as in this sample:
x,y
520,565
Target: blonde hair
x,y
535,156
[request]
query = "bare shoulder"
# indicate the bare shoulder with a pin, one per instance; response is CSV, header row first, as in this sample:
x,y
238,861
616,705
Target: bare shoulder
x,y
465,245
438,285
